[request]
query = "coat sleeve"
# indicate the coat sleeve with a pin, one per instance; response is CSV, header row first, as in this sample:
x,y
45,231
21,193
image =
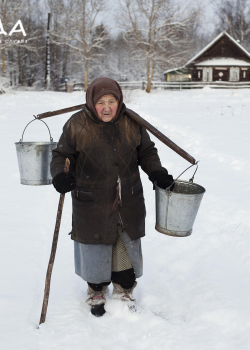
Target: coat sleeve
x,y
65,149
147,154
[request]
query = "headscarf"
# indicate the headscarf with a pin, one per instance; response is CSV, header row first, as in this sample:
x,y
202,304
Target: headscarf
x,y
100,87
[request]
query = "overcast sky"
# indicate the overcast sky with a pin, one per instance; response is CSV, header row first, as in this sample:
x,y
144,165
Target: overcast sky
x,y
109,16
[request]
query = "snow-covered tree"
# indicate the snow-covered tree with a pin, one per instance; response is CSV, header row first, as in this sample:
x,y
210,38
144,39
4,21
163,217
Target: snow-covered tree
x,y
159,29
82,33
234,17
9,9
21,40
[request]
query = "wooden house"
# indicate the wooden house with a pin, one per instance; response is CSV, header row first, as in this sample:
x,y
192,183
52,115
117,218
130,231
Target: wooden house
x,y
223,59
177,75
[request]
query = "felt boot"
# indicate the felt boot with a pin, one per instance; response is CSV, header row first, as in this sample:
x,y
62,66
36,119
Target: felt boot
x,y
122,294
97,300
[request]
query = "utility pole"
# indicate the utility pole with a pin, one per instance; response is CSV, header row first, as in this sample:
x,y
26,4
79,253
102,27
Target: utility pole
x,y
47,71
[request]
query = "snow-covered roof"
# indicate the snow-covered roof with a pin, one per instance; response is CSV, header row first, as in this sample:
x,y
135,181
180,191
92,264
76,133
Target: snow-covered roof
x,y
223,62
173,70
213,42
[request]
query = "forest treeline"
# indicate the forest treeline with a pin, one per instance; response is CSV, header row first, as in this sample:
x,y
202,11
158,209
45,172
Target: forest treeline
x,y
127,40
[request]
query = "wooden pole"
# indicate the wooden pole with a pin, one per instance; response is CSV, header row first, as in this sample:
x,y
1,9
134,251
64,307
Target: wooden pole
x,y
162,138
47,71
60,111
53,251
140,121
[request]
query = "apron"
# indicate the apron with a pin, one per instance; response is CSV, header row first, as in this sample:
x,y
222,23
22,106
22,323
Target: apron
x,y
94,263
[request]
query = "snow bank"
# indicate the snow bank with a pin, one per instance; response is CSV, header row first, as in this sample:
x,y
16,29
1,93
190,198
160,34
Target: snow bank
x,y
4,85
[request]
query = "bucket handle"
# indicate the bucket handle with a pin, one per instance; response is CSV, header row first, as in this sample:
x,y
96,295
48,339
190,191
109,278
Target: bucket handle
x,y
51,139
190,180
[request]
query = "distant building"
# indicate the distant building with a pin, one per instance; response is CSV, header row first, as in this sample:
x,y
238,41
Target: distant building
x,y
177,74
223,59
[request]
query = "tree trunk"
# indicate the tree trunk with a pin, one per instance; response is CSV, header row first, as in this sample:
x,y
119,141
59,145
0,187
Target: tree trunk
x,y
3,62
85,48
19,67
86,75
149,76
148,89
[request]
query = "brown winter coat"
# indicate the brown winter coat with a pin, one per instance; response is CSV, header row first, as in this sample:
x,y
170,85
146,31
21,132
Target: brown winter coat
x,y
99,152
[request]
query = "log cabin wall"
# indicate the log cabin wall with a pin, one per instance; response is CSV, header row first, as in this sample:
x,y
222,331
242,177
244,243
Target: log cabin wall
x,y
221,74
245,74
197,74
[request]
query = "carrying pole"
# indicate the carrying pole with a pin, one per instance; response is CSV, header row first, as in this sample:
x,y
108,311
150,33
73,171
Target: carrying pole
x,y
140,121
53,251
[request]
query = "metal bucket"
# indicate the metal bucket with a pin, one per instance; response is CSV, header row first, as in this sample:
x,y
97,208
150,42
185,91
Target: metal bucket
x,y
34,160
176,210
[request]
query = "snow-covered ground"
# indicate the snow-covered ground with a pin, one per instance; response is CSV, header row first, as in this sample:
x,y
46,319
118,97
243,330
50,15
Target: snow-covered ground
x,y
194,294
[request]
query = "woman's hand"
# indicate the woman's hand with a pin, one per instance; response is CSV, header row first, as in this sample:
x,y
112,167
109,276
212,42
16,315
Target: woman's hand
x,y
64,182
162,179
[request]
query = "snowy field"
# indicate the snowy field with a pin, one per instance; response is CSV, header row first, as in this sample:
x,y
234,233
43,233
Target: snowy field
x,y
194,294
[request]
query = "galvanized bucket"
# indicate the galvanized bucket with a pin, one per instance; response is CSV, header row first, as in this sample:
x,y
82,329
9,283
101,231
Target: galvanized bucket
x,y
34,160
176,210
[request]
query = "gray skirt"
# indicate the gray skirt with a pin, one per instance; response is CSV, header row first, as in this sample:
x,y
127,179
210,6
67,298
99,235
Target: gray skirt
x,y
94,263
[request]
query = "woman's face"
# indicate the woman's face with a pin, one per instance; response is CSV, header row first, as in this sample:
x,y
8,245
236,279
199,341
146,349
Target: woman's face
x,y
106,107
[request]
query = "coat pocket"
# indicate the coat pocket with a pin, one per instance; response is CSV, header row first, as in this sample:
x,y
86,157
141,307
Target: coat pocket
x,y
137,188
84,196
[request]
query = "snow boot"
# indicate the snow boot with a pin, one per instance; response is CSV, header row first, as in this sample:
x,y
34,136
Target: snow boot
x,y
122,294
97,300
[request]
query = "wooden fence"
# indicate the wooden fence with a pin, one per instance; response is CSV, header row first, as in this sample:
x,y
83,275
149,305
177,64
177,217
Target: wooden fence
x,y
132,85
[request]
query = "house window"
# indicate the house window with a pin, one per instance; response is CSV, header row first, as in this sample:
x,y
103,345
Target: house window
x,y
199,73
234,74
244,74
207,74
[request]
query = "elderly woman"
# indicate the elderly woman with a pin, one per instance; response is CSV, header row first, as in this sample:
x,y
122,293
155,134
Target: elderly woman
x,y
105,146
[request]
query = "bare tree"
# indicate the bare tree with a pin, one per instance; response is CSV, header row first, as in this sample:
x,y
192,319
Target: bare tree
x,y
9,9
233,16
82,33
59,54
158,28
20,48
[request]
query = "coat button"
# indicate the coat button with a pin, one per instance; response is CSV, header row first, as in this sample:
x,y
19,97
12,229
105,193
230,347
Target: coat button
x,y
116,164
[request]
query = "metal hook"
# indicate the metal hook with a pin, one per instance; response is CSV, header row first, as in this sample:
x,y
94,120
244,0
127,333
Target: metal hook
x,y
190,180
